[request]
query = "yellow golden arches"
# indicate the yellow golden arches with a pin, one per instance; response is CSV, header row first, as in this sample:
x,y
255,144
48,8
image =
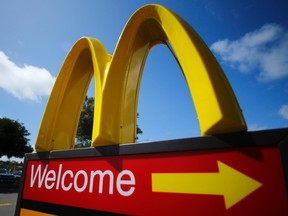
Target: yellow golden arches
x,y
118,82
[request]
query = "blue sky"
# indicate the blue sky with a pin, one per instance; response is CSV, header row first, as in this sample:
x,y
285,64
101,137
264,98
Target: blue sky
x,y
248,38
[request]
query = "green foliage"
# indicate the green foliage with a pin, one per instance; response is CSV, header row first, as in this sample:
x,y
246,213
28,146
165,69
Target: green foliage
x,y
11,166
85,125
138,130
13,139
82,143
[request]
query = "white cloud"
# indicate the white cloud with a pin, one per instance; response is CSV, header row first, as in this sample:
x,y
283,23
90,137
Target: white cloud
x,y
284,111
264,50
25,83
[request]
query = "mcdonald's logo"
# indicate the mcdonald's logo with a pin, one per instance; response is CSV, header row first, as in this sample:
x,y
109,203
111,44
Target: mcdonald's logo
x,y
117,83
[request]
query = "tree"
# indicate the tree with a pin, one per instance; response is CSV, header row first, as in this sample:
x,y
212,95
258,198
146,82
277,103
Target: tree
x,y
138,130
85,125
13,139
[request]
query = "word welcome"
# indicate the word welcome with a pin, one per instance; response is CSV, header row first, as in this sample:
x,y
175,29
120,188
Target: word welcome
x,y
82,180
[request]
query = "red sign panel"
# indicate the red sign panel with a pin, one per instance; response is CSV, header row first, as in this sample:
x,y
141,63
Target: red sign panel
x,y
220,182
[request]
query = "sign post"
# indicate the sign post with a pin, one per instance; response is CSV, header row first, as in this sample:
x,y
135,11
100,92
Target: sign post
x,y
228,171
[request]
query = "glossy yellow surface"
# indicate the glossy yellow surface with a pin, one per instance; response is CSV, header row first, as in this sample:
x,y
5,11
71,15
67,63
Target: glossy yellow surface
x,y
118,83
59,124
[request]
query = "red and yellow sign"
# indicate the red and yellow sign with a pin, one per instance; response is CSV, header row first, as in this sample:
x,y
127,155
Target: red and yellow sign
x,y
219,182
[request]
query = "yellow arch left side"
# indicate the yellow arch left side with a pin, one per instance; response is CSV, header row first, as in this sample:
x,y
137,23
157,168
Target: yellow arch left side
x,y
59,124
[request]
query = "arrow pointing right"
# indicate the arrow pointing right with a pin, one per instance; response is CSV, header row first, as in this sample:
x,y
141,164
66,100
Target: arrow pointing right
x,y
230,183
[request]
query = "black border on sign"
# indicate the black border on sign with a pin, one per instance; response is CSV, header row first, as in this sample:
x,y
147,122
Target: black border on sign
x,y
275,137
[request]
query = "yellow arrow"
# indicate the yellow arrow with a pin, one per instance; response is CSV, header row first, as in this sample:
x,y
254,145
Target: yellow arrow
x,y
228,182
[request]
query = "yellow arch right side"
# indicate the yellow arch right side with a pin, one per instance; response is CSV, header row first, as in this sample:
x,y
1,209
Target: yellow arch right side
x,y
216,105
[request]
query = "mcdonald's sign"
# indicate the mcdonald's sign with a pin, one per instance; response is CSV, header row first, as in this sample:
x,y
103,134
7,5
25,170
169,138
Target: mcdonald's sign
x,y
227,171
